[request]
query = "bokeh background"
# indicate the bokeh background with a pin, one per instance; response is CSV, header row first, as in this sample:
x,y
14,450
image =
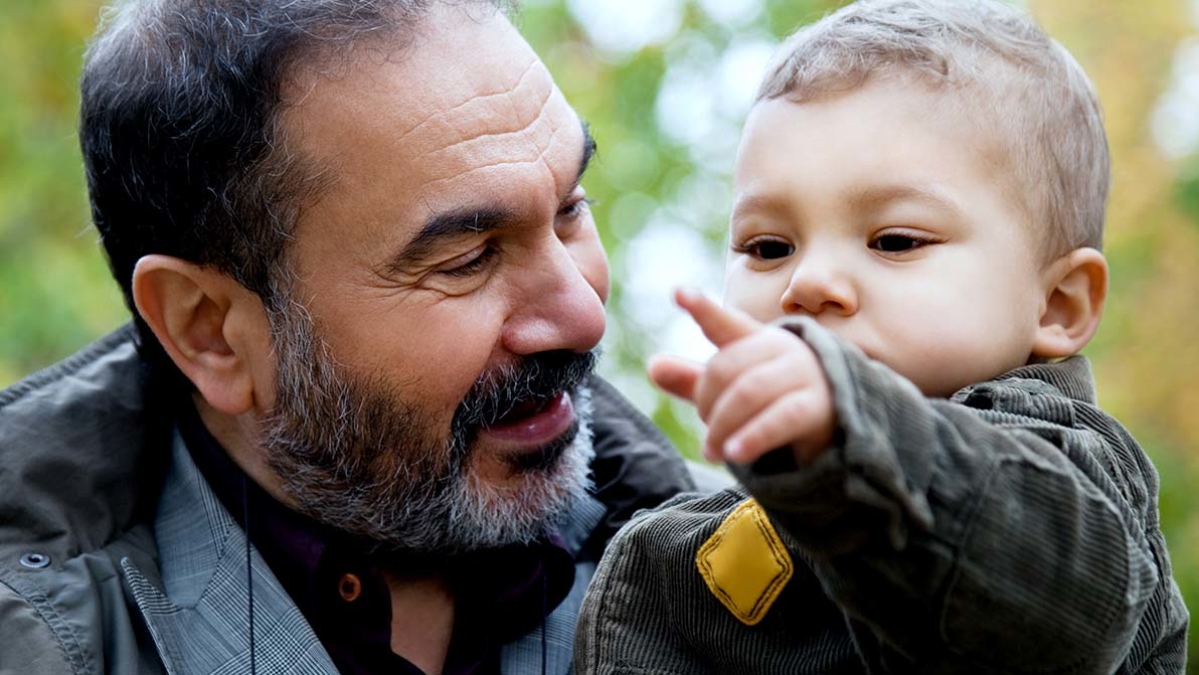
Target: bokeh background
x,y
665,85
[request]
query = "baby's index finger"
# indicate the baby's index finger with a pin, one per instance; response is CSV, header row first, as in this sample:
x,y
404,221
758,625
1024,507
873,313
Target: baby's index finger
x,y
721,326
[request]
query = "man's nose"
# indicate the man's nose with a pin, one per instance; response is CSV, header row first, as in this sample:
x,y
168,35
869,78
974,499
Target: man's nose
x,y
556,307
819,284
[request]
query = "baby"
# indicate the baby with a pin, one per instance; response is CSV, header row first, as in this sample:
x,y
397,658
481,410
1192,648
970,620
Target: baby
x,y
928,484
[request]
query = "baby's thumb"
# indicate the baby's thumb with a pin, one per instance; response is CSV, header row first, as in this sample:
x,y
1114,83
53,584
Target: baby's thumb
x,y
675,376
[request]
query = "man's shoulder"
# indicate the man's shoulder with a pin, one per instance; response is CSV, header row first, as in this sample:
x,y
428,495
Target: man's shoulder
x,y
620,427
635,466
84,365
86,419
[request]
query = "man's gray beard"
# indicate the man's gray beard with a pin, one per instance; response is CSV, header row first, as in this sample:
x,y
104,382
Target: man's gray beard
x,y
358,457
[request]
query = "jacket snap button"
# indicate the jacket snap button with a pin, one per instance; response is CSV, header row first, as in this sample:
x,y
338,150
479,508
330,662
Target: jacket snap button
x,y
35,561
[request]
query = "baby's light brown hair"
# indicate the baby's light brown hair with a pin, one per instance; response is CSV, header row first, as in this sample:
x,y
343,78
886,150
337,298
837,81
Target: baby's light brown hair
x,y
995,64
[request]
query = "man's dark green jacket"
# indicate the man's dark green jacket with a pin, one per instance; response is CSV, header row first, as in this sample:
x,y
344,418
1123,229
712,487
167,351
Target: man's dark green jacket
x,y
116,557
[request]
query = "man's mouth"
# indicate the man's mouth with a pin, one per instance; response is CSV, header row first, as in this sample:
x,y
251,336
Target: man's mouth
x,y
533,422
525,410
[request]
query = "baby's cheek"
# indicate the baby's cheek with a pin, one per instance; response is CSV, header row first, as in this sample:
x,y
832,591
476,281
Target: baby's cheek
x,y
753,297
939,367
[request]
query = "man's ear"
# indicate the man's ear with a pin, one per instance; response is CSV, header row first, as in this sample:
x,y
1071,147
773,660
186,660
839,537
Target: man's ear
x,y
1075,289
212,327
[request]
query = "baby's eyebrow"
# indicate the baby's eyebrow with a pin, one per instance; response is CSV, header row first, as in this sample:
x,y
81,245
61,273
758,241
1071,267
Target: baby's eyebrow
x,y
876,196
759,203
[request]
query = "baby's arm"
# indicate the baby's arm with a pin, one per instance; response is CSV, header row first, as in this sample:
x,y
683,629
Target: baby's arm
x,y
977,539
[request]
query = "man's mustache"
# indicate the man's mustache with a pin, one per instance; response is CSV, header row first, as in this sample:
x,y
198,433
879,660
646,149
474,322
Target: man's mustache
x,y
532,381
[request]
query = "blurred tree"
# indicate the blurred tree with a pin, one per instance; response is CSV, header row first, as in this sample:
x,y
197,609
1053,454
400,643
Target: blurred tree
x,y
1146,358
665,85
55,291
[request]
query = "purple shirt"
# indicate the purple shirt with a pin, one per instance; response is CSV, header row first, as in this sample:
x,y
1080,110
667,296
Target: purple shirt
x,y
337,580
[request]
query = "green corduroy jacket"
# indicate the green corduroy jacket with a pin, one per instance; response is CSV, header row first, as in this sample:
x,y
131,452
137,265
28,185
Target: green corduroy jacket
x,y
1011,529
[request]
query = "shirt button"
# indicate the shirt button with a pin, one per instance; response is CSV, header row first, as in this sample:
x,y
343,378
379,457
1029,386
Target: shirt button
x,y
350,587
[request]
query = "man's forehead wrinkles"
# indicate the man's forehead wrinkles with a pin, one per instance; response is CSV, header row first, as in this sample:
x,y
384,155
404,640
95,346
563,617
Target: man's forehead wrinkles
x,y
530,129
507,91
563,174
479,120
535,108
565,177
526,146
492,165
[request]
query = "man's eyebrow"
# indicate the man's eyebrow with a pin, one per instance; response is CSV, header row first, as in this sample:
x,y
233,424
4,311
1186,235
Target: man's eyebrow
x,y
445,226
451,224
589,149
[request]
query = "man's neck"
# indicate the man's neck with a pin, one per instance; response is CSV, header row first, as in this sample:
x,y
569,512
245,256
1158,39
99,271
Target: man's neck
x,y
239,438
422,620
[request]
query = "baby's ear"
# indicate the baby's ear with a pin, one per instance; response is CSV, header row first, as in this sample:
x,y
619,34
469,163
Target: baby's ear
x,y
213,328
1075,289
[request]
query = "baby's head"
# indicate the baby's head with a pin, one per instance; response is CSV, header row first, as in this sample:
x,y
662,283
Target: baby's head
x,y
926,178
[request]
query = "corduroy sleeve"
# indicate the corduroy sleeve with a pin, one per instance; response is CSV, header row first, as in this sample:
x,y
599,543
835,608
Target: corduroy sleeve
x,y
1006,531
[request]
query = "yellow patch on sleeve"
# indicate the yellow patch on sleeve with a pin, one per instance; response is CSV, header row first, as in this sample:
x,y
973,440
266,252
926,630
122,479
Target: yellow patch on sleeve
x,y
745,563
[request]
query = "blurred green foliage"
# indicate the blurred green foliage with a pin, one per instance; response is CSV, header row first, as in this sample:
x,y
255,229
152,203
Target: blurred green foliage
x,y
55,292
56,295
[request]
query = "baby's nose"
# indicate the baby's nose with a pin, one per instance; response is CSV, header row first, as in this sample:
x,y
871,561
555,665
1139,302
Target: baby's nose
x,y
818,286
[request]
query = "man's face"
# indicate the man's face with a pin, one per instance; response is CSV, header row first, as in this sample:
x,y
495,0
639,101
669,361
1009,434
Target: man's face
x,y
877,213
452,282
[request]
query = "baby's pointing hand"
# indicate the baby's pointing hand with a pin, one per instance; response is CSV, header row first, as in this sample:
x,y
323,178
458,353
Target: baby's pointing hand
x,y
764,389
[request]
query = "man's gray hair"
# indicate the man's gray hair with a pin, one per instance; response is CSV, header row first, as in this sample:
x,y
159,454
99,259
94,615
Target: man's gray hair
x,y
1002,68
180,127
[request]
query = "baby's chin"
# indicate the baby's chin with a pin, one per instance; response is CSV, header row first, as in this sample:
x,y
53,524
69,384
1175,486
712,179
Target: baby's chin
x,y
945,383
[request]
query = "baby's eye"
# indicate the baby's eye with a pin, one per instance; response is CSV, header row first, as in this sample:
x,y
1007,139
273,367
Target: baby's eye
x,y
898,242
766,248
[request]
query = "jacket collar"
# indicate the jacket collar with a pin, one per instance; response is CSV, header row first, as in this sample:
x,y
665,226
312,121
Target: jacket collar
x,y
1071,376
200,615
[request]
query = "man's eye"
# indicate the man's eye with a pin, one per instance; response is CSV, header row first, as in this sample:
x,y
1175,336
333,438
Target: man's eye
x,y
470,263
898,243
766,249
575,208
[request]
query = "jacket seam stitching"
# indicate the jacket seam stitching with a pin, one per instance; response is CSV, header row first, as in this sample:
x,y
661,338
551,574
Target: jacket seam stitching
x,y
49,614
